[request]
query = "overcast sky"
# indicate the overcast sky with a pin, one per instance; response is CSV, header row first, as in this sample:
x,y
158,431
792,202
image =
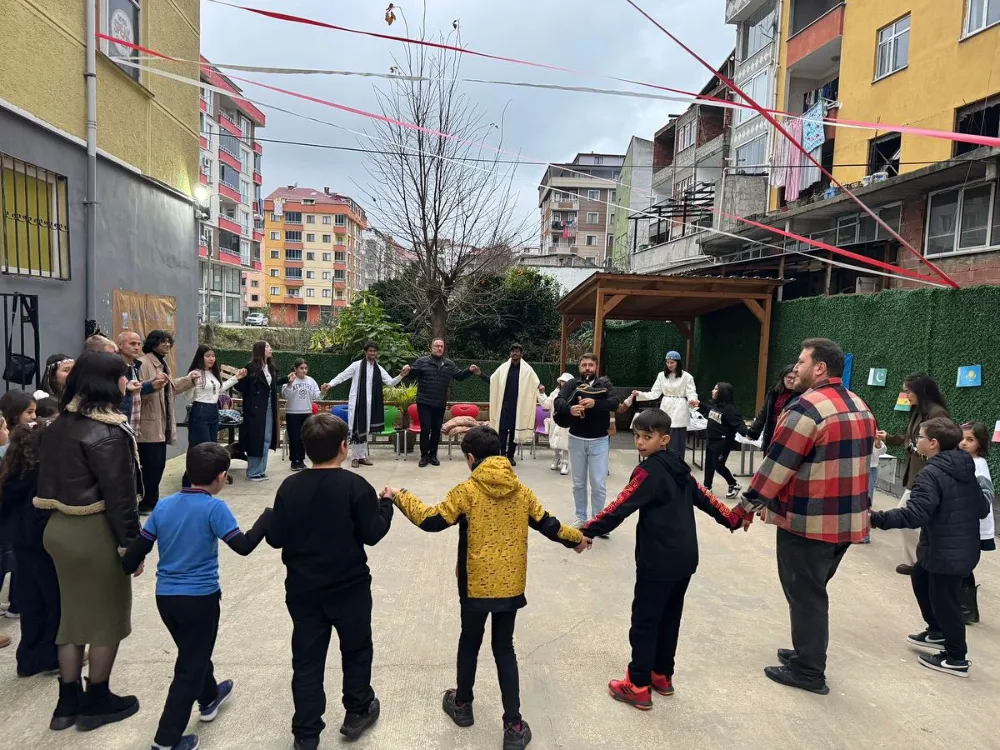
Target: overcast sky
x,y
606,36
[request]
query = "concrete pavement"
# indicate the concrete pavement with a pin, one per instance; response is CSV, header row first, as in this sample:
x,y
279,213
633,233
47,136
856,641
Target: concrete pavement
x,y
570,639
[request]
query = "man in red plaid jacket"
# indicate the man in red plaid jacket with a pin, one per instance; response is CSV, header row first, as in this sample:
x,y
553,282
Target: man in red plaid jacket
x,y
813,485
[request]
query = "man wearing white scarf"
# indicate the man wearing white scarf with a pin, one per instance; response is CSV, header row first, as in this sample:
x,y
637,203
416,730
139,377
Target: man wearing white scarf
x,y
513,397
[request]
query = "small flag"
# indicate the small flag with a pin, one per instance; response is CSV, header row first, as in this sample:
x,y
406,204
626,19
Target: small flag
x,y
902,403
848,370
877,376
996,432
970,376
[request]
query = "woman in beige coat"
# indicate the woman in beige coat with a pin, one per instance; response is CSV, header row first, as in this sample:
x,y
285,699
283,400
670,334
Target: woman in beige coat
x,y
157,423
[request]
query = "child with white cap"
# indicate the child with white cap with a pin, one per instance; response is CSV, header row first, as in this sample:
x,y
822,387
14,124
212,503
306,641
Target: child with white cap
x,y
558,436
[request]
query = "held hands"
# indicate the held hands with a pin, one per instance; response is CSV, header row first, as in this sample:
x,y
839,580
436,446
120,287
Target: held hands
x,y
133,386
474,369
880,436
694,403
241,373
389,493
324,388
195,376
634,395
160,381
584,545
405,371
138,571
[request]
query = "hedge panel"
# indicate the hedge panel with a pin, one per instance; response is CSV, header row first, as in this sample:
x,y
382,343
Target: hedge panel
x,y
726,350
634,352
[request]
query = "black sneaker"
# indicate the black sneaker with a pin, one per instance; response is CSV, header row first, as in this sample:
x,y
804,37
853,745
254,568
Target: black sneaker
x,y
785,676
516,735
70,696
434,461
355,724
100,706
734,492
943,663
904,570
513,461
423,461
460,713
927,639
785,656
307,743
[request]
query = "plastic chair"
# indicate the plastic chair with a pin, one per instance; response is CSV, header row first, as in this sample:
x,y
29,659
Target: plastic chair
x,y
541,428
414,428
341,410
461,410
391,414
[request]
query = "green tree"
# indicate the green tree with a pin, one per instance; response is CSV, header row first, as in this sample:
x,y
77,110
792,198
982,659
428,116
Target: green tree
x,y
366,320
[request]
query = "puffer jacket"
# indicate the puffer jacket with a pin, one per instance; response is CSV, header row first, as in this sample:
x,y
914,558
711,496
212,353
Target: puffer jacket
x,y
88,465
434,376
946,504
494,512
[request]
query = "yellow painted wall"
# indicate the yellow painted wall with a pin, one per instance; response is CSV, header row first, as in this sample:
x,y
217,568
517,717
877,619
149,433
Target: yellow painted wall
x,y
152,125
945,72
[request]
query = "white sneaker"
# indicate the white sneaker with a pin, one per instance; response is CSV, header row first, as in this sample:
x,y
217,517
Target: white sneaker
x,y
564,469
554,466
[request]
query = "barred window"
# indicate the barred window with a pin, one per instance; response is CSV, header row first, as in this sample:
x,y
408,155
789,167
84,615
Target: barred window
x,y
34,240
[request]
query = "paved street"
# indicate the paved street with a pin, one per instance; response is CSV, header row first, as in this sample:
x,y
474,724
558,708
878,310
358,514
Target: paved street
x,y
571,639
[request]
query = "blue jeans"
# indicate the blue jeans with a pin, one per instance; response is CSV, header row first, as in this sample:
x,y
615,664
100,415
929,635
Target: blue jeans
x,y
256,467
203,424
589,457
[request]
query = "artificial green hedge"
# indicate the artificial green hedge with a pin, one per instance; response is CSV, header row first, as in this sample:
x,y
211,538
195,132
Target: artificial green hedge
x,y
726,351
634,352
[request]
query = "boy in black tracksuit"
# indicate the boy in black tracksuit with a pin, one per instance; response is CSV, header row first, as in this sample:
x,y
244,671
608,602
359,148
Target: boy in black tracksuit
x,y
724,421
666,554
946,503
323,518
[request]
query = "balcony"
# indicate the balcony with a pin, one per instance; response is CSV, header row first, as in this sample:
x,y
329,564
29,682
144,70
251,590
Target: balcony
x,y
289,263
340,283
203,142
230,225
561,205
741,10
294,283
257,265
229,126
228,159
813,50
258,236
258,149
257,179
233,194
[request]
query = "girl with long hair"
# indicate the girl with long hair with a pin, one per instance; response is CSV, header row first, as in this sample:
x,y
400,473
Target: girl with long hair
x,y
203,419
724,421
779,397
300,393
976,442
17,407
926,403
87,479
57,369
677,393
260,389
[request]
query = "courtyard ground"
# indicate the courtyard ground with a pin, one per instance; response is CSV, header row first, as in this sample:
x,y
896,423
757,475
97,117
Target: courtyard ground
x,y
571,639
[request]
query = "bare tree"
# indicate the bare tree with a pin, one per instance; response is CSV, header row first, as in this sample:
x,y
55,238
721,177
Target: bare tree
x,y
450,198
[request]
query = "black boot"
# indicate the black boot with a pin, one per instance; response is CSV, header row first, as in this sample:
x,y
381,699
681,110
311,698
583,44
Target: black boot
x,y
100,706
970,604
70,694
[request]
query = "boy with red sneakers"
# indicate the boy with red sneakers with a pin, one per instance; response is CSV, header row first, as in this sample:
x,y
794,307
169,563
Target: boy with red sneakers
x,y
666,554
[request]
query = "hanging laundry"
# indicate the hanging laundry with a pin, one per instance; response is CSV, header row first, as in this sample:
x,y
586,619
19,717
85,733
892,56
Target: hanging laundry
x,y
793,181
811,174
782,158
813,130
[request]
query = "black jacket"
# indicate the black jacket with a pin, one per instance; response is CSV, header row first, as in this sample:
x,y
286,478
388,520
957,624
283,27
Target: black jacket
x,y
724,421
766,420
946,504
595,422
256,392
434,376
665,494
21,523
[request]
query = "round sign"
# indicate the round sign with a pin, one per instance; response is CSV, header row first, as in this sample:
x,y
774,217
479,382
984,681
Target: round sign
x,y
121,28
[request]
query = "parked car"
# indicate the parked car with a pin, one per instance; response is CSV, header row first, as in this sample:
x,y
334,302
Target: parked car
x,y
256,319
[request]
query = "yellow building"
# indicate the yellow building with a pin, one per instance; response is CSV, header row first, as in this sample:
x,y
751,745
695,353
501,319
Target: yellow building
x,y
146,170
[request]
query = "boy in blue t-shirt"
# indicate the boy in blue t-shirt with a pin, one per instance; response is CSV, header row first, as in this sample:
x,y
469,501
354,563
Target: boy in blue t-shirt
x,y
187,526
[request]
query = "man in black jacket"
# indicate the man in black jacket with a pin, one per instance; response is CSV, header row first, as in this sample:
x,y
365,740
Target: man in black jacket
x,y
946,504
434,374
585,406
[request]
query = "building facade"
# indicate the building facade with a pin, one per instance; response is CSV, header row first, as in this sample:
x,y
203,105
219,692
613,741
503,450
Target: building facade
x,y
231,230
313,248
146,173
382,258
634,194
576,202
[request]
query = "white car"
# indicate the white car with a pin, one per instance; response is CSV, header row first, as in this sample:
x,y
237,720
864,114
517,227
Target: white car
x,y
256,319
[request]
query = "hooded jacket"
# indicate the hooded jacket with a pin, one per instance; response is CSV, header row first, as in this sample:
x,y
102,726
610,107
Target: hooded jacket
x,y
493,511
665,494
946,504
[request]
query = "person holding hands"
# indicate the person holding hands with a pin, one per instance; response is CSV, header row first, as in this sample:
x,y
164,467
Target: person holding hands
x,y
299,393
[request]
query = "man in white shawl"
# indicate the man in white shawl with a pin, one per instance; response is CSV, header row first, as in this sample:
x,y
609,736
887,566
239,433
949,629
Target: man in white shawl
x,y
365,408
513,398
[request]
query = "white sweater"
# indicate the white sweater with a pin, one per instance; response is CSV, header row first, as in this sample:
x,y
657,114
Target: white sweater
x,y
208,389
676,393
300,394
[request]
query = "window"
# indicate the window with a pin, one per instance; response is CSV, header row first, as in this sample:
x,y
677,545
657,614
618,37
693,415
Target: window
x,y
339,275
275,291
275,235
751,157
255,298
276,272
275,254
293,236
310,237
326,293
981,118
245,161
960,220
293,255
245,126
756,89
310,219
310,274
757,32
341,220
592,217
254,284
591,240
340,294
34,220
245,191
685,136
229,143
326,219
245,225
276,217
893,48
293,217
981,13
327,239
594,195
883,154
327,257
310,292
121,20
293,273
310,256
340,257
229,176
327,275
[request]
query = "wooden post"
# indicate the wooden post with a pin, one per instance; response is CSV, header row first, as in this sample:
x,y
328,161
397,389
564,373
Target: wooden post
x,y
563,345
599,328
781,275
689,350
762,354
827,279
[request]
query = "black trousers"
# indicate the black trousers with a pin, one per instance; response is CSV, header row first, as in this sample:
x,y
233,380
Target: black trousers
x,y
312,624
940,606
716,456
296,450
431,419
507,434
38,597
152,459
805,567
193,622
502,640
656,622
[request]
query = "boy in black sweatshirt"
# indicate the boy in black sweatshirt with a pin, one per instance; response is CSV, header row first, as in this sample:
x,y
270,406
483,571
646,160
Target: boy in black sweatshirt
x,y
724,421
323,518
666,554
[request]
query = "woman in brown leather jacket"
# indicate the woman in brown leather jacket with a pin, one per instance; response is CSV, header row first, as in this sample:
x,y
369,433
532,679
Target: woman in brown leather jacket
x,y
87,478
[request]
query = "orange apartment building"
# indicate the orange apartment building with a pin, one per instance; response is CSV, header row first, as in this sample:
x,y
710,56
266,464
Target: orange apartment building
x,y
313,249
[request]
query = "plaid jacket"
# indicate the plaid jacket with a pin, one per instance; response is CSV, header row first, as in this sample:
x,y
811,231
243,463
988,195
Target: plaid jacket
x,y
814,479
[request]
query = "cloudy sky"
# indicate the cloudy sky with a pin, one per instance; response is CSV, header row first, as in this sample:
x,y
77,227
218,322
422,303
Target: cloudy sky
x,y
605,36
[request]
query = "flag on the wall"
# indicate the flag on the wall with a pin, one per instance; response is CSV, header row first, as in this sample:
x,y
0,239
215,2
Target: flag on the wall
x,y
902,403
877,376
848,370
970,376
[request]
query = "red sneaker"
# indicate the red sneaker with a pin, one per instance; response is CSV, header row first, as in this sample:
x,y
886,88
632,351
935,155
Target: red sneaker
x,y
626,692
663,684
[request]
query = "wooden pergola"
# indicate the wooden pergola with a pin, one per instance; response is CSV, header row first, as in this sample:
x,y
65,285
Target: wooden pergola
x,y
679,300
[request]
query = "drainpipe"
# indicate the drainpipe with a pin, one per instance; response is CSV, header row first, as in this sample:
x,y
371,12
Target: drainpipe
x,y
90,203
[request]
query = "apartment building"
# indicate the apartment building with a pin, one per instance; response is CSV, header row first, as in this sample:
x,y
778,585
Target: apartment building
x,y
904,62
382,257
313,247
633,195
146,170
576,202
232,226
